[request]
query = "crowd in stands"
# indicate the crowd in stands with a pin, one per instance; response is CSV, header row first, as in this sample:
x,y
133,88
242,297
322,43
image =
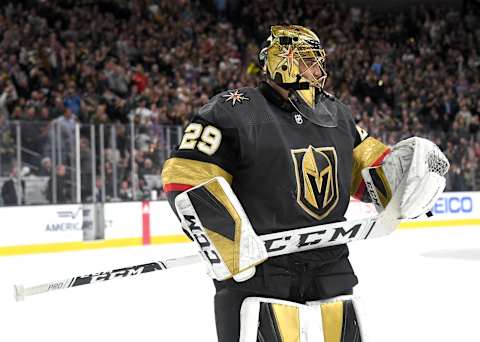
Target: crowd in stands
x,y
415,72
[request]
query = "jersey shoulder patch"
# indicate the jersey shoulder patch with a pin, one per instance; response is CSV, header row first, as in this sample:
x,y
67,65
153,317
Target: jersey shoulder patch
x,y
228,106
235,97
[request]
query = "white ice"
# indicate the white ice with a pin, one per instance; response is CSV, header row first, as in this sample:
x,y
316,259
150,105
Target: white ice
x,y
415,285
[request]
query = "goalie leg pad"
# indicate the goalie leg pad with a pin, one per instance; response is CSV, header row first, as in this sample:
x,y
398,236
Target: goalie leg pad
x,y
339,319
273,320
214,217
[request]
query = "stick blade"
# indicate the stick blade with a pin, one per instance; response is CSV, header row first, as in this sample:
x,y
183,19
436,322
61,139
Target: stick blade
x,y
19,293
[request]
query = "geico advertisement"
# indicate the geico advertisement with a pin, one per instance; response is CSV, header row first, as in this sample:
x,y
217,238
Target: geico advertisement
x,y
457,204
41,224
449,205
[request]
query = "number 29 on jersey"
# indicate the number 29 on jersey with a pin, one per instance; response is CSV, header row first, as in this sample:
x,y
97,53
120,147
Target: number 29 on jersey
x,y
206,139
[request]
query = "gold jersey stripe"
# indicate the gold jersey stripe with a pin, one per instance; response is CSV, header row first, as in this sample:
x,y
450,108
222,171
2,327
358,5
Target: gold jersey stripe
x,y
365,155
191,172
288,322
332,320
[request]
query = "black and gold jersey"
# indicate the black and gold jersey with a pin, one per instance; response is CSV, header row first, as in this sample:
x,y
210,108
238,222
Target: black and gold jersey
x,y
286,171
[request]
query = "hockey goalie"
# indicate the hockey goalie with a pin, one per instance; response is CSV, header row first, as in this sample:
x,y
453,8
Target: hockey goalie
x,y
281,156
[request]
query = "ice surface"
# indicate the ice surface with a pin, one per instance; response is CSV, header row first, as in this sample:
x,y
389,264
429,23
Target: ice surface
x,y
415,285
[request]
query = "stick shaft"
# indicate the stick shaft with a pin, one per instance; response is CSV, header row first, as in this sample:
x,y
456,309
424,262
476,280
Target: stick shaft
x,y
22,292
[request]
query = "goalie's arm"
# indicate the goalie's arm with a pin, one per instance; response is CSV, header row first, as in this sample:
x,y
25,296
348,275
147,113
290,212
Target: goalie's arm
x,y
207,150
368,152
378,172
210,213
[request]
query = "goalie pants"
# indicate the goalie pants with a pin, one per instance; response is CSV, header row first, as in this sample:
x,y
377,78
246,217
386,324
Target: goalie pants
x,y
291,277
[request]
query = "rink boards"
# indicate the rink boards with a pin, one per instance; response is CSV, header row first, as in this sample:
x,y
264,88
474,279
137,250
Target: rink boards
x,y
56,228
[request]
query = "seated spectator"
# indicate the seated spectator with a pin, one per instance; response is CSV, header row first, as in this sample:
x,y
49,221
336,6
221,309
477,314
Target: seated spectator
x,y
45,167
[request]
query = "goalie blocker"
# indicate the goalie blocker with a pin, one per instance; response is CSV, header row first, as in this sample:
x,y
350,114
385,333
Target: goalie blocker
x,y
215,219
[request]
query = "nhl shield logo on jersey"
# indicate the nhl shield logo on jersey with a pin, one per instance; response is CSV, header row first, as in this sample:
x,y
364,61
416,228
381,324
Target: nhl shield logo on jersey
x,y
298,119
235,96
317,183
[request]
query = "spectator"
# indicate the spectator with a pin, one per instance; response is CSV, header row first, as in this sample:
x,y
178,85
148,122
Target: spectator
x,y
110,183
125,193
72,100
65,134
7,145
457,179
13,192
86,169
140,79
7,98
63,187
147,168
45,168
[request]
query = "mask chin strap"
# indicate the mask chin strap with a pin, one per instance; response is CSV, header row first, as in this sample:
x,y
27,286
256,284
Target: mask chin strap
x,y
297,85
301,86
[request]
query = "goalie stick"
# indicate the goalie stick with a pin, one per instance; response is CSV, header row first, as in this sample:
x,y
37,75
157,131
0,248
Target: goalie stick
x,y
280,243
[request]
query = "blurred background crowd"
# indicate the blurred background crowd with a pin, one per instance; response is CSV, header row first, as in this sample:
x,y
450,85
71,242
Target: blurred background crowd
x,y
142,68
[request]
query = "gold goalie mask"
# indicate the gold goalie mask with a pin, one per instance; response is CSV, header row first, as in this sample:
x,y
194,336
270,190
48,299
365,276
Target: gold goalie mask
x,y
294,59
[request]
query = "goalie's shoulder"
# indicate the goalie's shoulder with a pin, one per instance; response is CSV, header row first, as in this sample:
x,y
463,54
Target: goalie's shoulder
x,y
344,110
327,96
332,97
230,105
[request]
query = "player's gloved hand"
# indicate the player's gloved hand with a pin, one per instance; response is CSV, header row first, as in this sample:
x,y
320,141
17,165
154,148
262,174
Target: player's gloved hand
x,y
415,166
215,219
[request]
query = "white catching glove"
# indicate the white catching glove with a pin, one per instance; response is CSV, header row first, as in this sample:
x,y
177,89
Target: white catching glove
x,y
422,166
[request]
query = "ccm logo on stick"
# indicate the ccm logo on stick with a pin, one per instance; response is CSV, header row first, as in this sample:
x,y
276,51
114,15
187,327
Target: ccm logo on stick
x,y
308,240
453,205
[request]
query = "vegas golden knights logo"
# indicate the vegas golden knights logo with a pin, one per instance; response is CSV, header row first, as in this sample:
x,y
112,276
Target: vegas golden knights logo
x,y
317,185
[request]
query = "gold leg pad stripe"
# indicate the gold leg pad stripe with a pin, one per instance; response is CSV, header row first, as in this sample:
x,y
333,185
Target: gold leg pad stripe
x,y
332,319
288,322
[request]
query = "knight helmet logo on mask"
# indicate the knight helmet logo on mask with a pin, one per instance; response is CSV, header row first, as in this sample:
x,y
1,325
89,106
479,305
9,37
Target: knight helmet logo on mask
x,y
317,183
